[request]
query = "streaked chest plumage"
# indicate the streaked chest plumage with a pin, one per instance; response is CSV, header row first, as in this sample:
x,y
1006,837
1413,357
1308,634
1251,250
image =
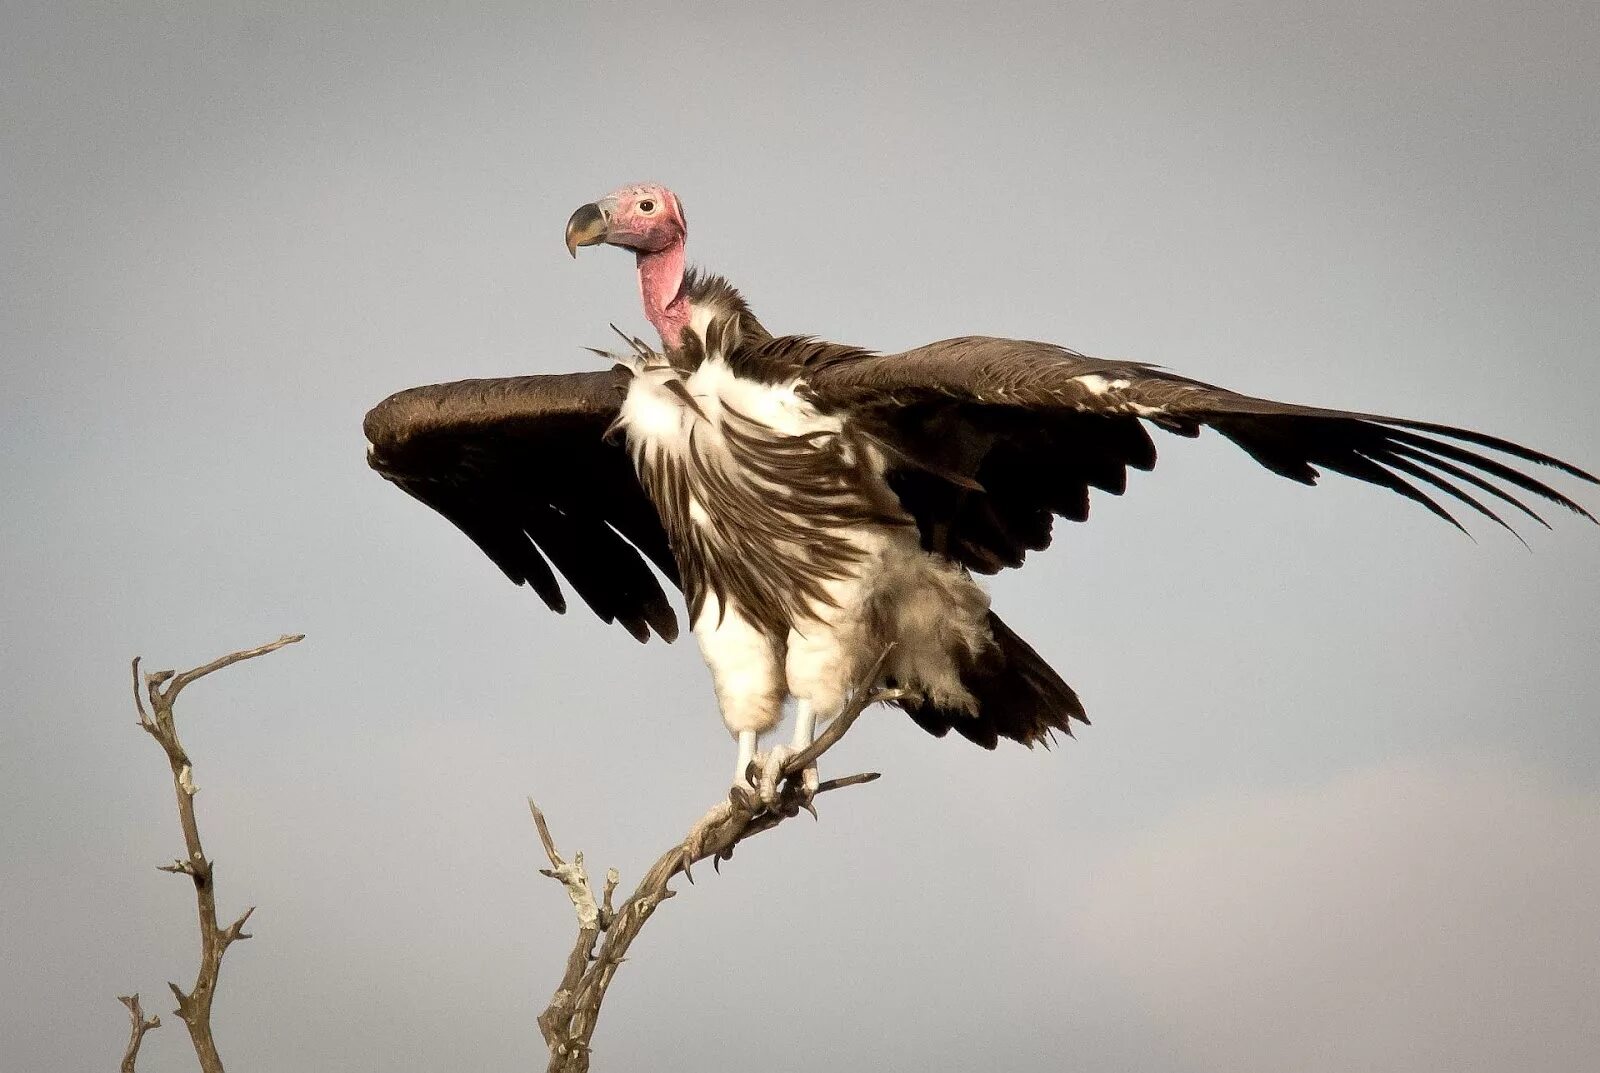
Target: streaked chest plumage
x,y
768,503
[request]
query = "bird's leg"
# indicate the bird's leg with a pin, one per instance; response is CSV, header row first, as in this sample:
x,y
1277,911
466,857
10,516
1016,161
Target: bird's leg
x,y
805,727
747,756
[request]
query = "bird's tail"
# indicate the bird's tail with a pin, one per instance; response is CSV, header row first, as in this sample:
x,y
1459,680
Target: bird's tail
x,y
1019,695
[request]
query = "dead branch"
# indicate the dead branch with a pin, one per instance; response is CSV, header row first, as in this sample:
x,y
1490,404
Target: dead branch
x,y
568,1023
136,1034
194,1006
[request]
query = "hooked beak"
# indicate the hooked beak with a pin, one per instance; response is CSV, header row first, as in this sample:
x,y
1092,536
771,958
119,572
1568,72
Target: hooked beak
x,y
591,224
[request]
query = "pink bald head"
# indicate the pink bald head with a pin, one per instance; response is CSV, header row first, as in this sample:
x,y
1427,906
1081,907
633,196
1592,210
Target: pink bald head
x,y
646,218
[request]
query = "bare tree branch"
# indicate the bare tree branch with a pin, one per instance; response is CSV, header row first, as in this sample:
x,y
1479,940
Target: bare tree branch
x,y
568,1023
136,1034
194,1006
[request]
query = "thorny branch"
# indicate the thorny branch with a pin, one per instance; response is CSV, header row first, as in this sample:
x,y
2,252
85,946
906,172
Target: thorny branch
x,y
136,1033
568,1023
194,1006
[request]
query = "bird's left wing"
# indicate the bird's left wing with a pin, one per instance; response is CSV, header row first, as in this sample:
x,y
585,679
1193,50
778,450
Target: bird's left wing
x,y
521,465
990,438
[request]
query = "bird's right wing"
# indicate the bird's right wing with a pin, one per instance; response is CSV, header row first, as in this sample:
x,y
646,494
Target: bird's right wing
x,y
522,466
993,437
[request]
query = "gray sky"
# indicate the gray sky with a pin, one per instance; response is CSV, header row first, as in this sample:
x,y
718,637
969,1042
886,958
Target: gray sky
x,y
1339,808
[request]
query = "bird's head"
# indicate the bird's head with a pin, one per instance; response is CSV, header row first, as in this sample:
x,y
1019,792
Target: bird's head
x,y
645,217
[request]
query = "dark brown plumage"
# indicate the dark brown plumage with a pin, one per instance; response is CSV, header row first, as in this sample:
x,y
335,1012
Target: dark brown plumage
x,y
999,435
520,465
984,443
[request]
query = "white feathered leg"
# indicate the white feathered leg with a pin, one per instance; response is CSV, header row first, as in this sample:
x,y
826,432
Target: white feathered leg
x,y
747,675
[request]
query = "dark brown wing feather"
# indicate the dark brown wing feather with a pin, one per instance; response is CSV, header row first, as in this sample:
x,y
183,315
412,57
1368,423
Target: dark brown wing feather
x,y
994,437
522,467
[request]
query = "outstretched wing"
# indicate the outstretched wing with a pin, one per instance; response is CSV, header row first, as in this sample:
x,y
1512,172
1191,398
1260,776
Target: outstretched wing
x,y
521,465
991,438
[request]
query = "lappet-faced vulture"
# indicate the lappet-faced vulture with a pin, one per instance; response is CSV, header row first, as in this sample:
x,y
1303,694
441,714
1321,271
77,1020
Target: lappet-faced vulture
x,y
819,503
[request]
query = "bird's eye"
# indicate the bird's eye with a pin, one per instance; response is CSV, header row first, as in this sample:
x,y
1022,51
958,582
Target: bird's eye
x,y
647,206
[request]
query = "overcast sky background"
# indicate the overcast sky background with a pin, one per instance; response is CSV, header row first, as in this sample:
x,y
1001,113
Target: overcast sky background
x,y
1339,808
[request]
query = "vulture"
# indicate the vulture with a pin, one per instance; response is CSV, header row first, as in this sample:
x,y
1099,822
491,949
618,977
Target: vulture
x,y
820,504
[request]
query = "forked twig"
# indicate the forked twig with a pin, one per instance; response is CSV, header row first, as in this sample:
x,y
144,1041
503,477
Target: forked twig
x,y
194,1006
141,1025
568,1022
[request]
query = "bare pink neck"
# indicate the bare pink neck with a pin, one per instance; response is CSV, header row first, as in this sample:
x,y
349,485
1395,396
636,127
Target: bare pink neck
x,y
660,278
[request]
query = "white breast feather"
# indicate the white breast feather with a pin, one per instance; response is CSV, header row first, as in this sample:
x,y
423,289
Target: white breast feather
x,y
700,319
777,406
933,608
658,420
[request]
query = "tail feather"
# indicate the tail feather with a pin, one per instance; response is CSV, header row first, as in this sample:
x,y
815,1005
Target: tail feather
x,y
1020,697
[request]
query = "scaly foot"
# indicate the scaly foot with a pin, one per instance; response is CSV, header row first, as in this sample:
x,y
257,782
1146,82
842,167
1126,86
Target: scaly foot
x,y
770,787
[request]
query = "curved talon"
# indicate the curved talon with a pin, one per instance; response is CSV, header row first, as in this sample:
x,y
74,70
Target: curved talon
x,y
745,791
808,786
694,842
745,785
